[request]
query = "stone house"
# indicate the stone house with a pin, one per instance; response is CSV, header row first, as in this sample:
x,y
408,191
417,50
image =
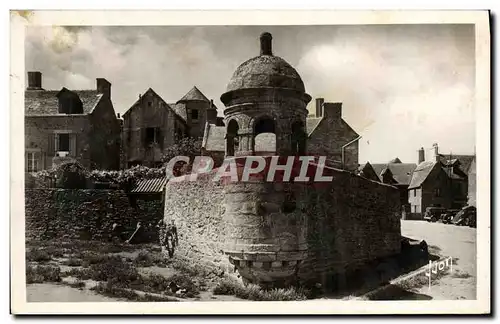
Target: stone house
x,y
70,124
394,173
441,182
151,125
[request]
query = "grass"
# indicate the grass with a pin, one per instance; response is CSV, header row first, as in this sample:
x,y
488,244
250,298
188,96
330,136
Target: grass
x,y
256,293
109,290
149,259
77,284
461,275
41,273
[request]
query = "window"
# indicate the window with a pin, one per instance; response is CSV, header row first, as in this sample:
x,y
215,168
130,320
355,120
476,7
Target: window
x,y
63,142
152,135
437,192
414,192
32,162
149,103
194,114
413,208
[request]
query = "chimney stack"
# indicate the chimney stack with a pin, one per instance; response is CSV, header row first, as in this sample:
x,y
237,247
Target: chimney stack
x,y
421,155
436,152
319,107
34,80
103,86
332,110
266,44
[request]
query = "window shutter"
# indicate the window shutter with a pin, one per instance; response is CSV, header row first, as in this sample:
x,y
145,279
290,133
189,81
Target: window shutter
x,y
51,145
72,145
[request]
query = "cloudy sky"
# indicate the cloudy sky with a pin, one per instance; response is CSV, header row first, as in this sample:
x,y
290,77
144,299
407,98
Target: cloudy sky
x,y
402,86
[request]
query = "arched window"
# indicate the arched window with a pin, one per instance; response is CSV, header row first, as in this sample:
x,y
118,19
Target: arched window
x,y
299,138
264,140
232,137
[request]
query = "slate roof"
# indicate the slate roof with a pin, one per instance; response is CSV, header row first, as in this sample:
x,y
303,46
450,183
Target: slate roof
x,y
179,109
312,123
45,102
213,138
194,95
401,172
421,173
169,106
465,160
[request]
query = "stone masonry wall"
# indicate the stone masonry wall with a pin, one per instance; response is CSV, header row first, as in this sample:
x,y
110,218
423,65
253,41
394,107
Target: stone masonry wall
x,y
86,214
196,208
351,221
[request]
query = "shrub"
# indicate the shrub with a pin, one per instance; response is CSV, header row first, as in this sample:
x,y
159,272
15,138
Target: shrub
x,y
254,292
78,284
148,259
71,175
38,256
41,274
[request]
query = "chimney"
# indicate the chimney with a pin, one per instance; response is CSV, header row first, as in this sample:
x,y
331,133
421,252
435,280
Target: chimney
x,y
266,44
332,110
319,107
34,80
212,113
118,115
421,155
103,86
436,152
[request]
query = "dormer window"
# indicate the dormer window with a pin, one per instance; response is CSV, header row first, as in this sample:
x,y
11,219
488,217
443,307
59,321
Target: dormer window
x,y
69,102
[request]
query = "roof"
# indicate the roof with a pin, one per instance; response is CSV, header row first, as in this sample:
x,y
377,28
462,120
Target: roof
x,y
179,109
213,139
312,123
401,172
265,142
265,71
155,185
366,170
45,102
396,160
168,106
464,160
194,95
421,173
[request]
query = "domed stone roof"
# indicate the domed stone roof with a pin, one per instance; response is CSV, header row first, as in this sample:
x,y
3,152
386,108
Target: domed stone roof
x,y
266,71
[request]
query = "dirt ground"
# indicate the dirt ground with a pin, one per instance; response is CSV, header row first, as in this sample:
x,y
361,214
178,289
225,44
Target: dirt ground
x,y
458,242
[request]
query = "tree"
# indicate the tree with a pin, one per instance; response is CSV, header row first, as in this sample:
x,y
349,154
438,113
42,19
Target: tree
x,y
188,146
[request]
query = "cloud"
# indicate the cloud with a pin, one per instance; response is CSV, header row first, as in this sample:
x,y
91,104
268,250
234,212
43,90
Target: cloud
x,y
402,87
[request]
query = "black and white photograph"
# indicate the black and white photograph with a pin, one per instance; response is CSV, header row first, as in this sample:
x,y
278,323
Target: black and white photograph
x,y
196,162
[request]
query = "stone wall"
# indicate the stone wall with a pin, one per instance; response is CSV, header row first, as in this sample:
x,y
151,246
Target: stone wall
x,y
269,230
196,208
350,222
86,214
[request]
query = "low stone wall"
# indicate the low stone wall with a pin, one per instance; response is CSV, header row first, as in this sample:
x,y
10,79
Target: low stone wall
x,y
351,222
197,209
88,214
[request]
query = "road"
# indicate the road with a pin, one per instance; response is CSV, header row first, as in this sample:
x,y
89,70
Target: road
x,y
453,241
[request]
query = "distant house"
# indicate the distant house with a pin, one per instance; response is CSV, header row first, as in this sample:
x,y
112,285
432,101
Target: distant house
x,y
441,182
68,124
394,173
152,125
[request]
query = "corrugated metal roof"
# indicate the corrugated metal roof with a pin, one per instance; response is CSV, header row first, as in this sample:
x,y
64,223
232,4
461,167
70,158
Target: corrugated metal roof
x,y
149,185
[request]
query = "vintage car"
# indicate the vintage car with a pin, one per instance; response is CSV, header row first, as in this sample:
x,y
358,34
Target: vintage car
x,y
465,217
433,214
448,216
